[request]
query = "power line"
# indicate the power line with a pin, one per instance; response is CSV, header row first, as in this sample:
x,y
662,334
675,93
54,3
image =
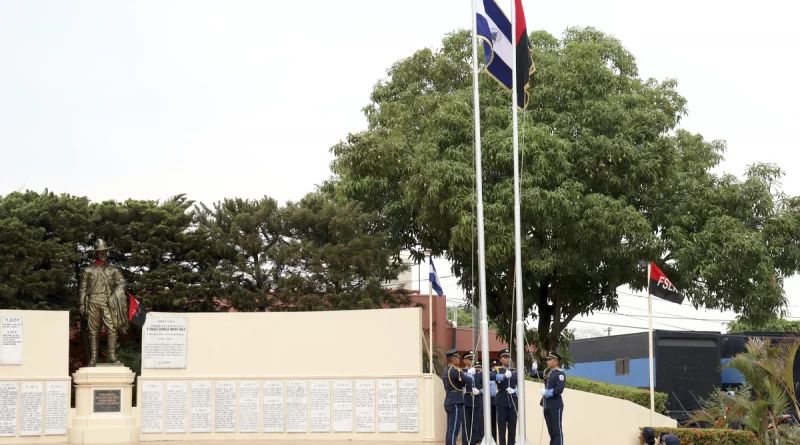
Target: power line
x,y
609,324
676,317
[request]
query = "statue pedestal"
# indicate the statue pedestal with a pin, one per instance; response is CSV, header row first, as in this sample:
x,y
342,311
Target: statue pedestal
x,y
103,405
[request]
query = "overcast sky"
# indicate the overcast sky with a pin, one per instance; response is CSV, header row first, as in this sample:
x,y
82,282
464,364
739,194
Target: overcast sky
x,y
148,99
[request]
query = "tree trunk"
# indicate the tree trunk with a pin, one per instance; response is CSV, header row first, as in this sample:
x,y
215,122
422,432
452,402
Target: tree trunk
x,y
545,316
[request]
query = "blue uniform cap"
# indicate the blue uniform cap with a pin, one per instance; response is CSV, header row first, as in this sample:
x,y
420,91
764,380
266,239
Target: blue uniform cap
x,y
452,353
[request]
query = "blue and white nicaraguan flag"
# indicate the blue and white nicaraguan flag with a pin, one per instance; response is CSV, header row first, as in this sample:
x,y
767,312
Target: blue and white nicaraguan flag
x,y
434,279
494,29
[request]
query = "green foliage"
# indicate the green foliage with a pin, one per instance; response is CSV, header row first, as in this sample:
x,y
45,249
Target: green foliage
x,y
332,259
607,180
464,317
769,371
439,359
696,436
774,325
565,338
40,236
717,409
638,396
318,254
253,255
165,261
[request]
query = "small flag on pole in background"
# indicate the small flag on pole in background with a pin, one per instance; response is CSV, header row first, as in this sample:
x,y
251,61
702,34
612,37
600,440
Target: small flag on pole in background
x,y
494,29
661,287
136,313
433,277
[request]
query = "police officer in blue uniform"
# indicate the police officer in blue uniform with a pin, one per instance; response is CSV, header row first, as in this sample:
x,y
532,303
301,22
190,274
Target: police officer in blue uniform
x,y
455,380
507,400
552,404
473,414
477,432
493,393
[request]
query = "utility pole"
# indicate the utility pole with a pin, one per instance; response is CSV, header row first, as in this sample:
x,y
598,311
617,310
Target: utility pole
x,y
609,331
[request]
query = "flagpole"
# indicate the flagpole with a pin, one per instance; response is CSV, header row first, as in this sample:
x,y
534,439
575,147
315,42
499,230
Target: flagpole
x,y
430,314
517,237
487,406
650,343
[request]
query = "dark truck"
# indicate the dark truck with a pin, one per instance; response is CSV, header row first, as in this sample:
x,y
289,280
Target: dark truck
x,y
686,364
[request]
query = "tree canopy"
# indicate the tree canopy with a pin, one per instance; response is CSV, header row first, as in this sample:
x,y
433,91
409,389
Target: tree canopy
x,y
607,179
774,325
176,256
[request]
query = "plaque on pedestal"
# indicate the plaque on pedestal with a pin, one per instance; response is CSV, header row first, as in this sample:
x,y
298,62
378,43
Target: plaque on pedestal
x,y
103,412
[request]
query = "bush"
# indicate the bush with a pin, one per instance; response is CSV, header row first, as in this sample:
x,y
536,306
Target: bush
x,y
638,396
709,436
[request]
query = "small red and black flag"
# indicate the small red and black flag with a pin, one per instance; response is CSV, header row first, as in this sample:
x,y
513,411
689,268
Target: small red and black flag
x,y
137,314
661,287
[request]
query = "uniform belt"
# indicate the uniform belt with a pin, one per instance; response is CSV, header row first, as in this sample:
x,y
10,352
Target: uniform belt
x,y
456,390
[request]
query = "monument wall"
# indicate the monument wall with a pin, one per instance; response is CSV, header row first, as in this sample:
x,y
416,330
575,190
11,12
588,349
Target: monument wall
x,y
343,375
591,418
35,385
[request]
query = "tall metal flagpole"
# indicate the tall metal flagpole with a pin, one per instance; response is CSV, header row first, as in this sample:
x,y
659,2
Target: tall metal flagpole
x,y
487,406
650,343
430,315
517,238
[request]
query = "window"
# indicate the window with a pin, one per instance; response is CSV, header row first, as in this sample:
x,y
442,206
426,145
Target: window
x,y
623,366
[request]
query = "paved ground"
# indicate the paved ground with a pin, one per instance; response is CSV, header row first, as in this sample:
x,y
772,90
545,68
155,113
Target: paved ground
x,y
284,442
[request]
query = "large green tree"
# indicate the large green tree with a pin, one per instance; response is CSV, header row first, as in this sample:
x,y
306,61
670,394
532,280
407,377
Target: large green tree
x,y
333,259
40,236
244,235
167,261
607,180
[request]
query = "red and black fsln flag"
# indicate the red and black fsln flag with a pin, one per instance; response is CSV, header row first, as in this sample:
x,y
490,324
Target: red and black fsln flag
x,y
661,287
523,56
137,314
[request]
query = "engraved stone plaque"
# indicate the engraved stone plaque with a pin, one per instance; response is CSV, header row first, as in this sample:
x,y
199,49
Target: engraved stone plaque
x,y
107,401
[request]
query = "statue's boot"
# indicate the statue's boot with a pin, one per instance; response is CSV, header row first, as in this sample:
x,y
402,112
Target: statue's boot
x,y
93,350
112,347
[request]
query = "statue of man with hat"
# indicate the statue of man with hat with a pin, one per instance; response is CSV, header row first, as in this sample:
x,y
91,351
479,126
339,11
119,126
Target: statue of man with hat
x,y
101,300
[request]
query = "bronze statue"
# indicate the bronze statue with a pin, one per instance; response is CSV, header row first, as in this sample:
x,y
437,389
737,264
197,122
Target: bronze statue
x,y
102,299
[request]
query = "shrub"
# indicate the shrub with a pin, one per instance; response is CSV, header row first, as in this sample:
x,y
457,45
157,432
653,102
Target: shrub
x,y
709,436
638,396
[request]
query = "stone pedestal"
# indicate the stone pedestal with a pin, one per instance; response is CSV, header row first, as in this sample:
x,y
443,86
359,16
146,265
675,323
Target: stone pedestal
x,y
103,406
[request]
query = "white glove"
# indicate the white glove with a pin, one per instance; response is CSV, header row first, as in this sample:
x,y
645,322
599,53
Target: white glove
x,y
544,391
471,371
510,390
475,391
535,366
508,374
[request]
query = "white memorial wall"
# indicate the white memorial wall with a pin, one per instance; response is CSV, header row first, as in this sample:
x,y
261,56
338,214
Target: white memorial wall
x,y
208,376
384,405
35,386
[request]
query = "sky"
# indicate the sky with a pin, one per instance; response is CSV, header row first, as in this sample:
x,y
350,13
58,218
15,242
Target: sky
x,y
149,99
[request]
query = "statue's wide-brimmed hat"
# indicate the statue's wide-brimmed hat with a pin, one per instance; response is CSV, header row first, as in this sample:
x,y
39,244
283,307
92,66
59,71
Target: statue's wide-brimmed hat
x,y
100,245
